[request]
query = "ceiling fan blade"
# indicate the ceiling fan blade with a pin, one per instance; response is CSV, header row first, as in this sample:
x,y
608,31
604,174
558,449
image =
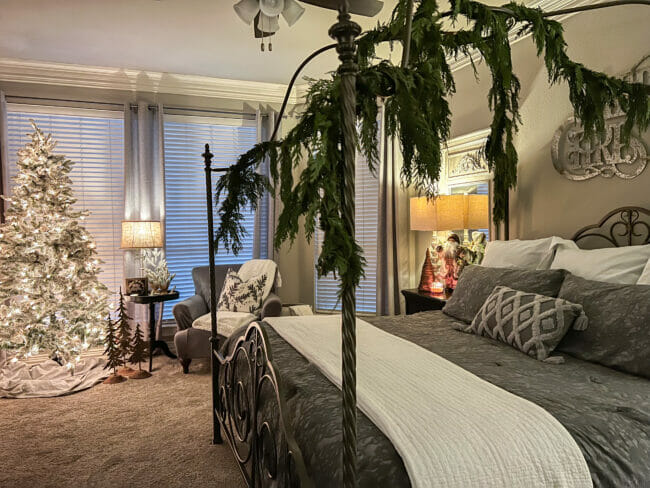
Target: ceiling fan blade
x,y
367,8
292,11
247,9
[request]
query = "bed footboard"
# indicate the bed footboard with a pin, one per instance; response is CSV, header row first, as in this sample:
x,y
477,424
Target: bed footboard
x,y
251,413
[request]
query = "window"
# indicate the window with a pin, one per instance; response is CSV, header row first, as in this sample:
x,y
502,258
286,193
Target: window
x,y
366,227
94,141
186,232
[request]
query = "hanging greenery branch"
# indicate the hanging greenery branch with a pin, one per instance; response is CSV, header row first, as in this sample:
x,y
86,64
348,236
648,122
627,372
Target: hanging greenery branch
x,y
416,110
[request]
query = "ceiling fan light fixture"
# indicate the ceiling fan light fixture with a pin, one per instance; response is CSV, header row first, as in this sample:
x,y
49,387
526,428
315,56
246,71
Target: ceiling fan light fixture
x,y
247,10
268,24
292,12
271,8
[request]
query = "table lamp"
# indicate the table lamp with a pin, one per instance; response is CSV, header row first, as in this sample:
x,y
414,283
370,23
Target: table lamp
x,y
140,235
446,213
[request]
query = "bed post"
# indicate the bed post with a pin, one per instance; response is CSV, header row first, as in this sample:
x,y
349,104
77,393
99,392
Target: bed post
x,y
345,32
214,340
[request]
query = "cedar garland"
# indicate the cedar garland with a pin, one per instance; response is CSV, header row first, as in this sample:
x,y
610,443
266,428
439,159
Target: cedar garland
x,y
417,112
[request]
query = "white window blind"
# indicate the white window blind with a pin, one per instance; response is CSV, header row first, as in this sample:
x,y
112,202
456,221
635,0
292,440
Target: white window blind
x,y
186,232
94,141
366,228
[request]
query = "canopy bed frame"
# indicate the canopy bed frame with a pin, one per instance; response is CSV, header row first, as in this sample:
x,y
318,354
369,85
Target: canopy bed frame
x,y
252,414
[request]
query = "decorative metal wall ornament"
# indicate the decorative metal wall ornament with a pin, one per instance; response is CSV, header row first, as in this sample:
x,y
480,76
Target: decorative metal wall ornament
x,y
579,158
465,158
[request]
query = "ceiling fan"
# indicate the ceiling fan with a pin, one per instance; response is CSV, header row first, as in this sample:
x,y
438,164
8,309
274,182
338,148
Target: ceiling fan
x,y
265,14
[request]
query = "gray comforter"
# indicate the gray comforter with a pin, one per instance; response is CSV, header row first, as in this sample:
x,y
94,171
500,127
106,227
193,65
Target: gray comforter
x,y
606,412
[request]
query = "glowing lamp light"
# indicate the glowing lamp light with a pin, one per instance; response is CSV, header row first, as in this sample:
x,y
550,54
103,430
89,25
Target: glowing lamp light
x,y
141,234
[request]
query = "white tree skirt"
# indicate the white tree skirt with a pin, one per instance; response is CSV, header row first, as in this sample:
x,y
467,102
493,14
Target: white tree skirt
x,y
49,379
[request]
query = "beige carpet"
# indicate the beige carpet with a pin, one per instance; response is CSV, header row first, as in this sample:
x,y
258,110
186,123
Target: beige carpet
x,y
141,433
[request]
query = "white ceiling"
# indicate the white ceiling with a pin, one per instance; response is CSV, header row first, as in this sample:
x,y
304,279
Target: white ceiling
x,y
201,37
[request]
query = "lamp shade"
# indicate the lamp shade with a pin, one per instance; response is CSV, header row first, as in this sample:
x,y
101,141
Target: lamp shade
x,y
141,234
449,212
368,8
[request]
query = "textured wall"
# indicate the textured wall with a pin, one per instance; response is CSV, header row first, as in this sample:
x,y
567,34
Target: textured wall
x,y
545,202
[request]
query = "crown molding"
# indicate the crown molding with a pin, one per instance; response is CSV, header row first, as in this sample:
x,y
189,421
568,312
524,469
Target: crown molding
x,y
82,76
463,61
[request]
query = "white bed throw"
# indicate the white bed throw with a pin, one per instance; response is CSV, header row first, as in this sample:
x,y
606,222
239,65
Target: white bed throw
x,y
451,428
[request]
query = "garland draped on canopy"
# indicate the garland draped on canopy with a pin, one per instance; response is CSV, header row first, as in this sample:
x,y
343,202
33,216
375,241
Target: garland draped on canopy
x,y
417,112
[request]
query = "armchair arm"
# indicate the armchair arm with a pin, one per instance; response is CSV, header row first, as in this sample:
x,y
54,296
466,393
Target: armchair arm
x,y
272,306
188,311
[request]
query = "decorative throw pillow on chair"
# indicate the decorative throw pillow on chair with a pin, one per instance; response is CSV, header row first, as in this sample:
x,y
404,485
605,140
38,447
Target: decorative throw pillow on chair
x,y
243,296
534,324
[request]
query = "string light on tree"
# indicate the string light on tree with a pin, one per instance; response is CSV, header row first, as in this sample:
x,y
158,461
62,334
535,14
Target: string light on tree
x,y
50,297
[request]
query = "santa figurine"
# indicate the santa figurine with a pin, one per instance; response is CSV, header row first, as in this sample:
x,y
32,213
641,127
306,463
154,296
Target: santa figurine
x,y
448,254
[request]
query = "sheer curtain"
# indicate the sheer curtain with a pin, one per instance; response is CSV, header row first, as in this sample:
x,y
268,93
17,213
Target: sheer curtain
x,y
144,181
395,246
265,215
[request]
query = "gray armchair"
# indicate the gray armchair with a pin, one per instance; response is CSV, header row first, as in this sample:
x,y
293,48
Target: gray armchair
x,y
192,343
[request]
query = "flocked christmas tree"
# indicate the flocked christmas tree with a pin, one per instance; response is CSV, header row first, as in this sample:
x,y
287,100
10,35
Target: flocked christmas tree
x,y
50,297
138,354
113,353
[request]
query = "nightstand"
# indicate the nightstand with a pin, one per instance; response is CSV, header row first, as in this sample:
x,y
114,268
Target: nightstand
x,y
421,301
151,300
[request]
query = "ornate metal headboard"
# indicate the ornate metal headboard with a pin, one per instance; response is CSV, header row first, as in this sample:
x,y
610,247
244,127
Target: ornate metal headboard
x,y
625,226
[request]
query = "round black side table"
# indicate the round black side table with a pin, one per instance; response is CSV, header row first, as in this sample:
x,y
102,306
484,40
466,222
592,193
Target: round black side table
x,y
151,300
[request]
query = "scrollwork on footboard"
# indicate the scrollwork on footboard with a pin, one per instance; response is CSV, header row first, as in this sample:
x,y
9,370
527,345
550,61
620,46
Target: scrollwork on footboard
x,y
252,413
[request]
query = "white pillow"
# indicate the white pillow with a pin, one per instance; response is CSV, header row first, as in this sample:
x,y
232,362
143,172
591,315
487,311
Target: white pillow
x,y
531,254
645,275
622,265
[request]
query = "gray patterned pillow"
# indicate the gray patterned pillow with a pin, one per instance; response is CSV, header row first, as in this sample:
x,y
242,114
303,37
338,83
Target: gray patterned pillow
x,y
477,282
534,324
242,296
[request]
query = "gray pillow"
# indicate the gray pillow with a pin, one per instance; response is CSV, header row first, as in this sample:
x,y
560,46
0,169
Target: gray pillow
x,y
531,323
619,324
477,282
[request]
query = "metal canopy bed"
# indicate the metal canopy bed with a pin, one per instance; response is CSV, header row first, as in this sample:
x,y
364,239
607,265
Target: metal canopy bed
x,y
249,392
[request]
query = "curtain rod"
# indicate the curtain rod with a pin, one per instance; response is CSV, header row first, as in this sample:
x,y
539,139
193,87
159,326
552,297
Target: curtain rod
x,y
120,106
